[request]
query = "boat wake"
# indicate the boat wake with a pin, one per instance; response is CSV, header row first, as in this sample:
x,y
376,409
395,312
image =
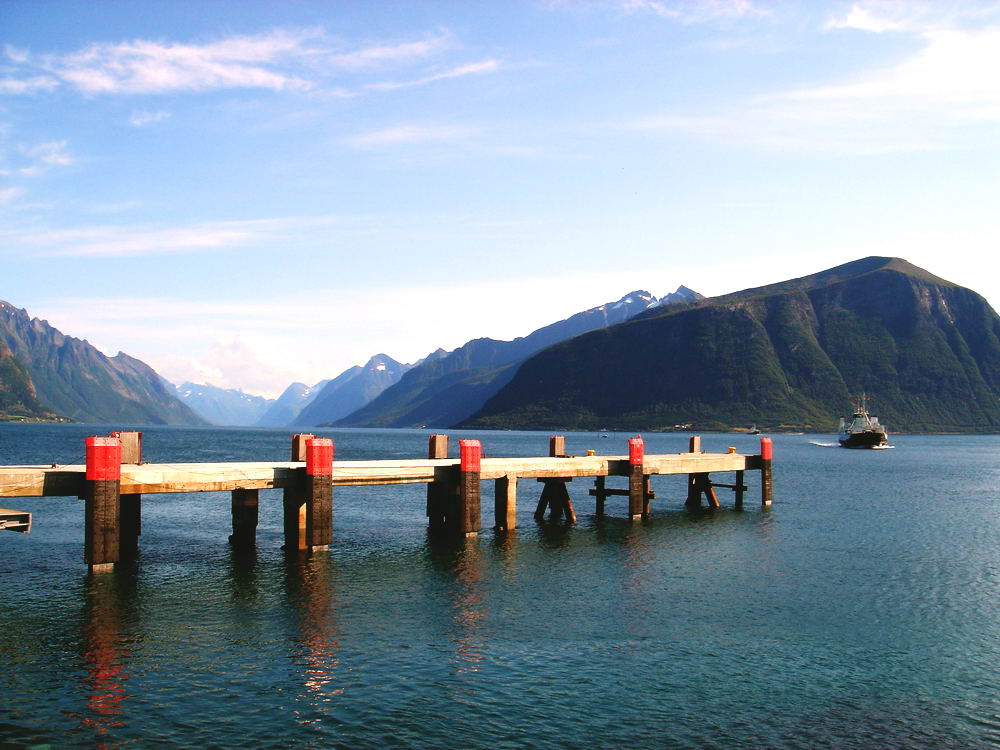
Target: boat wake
x,y
824,445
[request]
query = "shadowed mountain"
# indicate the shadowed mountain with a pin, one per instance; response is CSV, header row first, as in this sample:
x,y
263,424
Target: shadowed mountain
x,y
788,354
448,387
351,390
223,406
292,400
75,380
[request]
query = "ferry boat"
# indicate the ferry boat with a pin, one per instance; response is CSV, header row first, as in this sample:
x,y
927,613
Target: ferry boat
x,y
863,430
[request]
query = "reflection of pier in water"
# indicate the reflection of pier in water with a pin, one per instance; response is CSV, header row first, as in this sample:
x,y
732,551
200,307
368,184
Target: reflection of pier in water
x,y
115,478
104,658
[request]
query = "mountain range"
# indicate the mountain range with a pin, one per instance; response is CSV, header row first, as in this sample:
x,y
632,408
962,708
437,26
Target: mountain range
x,y
788,355
46,373
447,387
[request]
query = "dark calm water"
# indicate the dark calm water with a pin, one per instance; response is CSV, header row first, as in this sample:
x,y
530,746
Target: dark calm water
x,y
862,611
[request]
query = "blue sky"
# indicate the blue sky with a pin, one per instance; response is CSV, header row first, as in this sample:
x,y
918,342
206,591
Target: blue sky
x,y
248,194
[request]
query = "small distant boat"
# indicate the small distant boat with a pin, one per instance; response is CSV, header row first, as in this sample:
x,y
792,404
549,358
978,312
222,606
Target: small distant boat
x,y
863,430
754,430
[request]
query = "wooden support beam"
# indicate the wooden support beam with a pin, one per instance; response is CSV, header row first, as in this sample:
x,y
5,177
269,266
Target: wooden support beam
x,y
693,487
15,520
766,486
294,500
319,493
130,505
739,489
437,491
623,493
245,513
505,502
102,487
600,493
467,517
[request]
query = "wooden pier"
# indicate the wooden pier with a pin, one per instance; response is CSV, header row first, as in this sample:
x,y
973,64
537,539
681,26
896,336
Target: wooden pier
x,y
114,479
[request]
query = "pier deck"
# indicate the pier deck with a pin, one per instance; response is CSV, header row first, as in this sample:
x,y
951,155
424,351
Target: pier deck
x,y
151,479
114,479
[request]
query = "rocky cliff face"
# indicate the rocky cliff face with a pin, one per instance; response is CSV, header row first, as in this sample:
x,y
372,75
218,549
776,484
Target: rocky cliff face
x,y
75,380
18,399
790,354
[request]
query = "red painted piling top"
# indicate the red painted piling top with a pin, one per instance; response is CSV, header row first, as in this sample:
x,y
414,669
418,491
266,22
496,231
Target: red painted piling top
x,y
104,458
636,451
469,452
319,456
766,449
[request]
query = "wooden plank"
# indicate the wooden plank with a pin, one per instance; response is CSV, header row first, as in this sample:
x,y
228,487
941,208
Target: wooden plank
x,y
39,481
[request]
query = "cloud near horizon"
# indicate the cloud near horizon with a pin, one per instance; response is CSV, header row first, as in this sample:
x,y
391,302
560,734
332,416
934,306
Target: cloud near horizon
x,y
921,103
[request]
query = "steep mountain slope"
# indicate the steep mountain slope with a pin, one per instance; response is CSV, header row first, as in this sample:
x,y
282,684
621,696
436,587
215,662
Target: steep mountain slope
x,y
788,354
351,390
447,388
17,392
75,380
223,406
292,400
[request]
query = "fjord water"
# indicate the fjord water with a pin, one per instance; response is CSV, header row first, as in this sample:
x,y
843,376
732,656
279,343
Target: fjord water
x,y
859,612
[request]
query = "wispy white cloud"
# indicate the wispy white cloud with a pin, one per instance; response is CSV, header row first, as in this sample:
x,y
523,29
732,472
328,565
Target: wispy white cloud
x,y
409,134
279,60
15,54
924,102
912,16
381,55
28,85
31,161
144,67
142,117
122,241
477,68
681,11
8,194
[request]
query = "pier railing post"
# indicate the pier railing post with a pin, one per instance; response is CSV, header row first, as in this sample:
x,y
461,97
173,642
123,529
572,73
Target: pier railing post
x,y
294,503
130,505
102,503
319,493
468,516
437,492
766,486
637,504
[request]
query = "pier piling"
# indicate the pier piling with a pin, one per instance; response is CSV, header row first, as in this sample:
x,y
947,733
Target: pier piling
x,y
437,491
294,502
102,489
638,504
130,504
467,516
766,487
319,493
